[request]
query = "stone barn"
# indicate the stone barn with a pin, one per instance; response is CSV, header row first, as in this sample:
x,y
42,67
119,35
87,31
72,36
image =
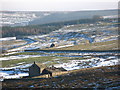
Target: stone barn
x,y
52,45
45,71
34,70
50,70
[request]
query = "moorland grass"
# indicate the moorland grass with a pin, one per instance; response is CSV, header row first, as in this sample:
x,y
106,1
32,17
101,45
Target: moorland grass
x,y
108,45
99,77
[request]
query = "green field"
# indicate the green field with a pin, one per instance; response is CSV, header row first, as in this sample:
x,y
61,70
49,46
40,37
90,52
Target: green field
x,y
8,63
52,60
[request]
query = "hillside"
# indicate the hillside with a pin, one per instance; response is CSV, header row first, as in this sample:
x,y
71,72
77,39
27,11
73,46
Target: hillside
x,y
72,15
24,18
102,77
8,31
34,23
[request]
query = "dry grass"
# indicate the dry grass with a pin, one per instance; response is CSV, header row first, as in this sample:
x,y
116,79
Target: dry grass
x,y
109,45
13,42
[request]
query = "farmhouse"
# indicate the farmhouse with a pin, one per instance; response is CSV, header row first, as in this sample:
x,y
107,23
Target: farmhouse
x,y
34,70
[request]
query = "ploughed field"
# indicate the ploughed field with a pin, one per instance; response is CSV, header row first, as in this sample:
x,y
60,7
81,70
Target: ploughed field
x,y
99,77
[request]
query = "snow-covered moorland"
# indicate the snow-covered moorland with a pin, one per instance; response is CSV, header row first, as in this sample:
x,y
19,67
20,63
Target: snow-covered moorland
x,y
89,63
14,72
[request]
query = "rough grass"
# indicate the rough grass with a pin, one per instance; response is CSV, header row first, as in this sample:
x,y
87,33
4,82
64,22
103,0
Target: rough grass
x,y
42,59
101,77
22,53
28,53
109,45
11,42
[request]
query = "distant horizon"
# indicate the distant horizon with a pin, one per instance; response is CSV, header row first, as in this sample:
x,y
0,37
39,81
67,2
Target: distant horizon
x,y
55,11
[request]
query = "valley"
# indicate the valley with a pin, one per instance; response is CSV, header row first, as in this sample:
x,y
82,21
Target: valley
x,y
82,49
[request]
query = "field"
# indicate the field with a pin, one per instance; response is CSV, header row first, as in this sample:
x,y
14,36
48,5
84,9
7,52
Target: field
x,y
52,60
5,45
109,45
27,60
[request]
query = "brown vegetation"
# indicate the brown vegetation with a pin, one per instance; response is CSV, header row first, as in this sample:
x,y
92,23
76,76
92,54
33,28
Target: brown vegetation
x,y
101,77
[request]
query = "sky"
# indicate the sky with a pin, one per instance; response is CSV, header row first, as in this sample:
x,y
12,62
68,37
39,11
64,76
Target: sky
x,y
57,5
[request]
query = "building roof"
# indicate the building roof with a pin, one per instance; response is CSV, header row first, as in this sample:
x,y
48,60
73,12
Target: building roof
x,y
34,65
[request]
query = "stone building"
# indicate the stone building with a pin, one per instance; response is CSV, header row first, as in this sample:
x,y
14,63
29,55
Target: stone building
x,y
52,45
34,70
45,71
